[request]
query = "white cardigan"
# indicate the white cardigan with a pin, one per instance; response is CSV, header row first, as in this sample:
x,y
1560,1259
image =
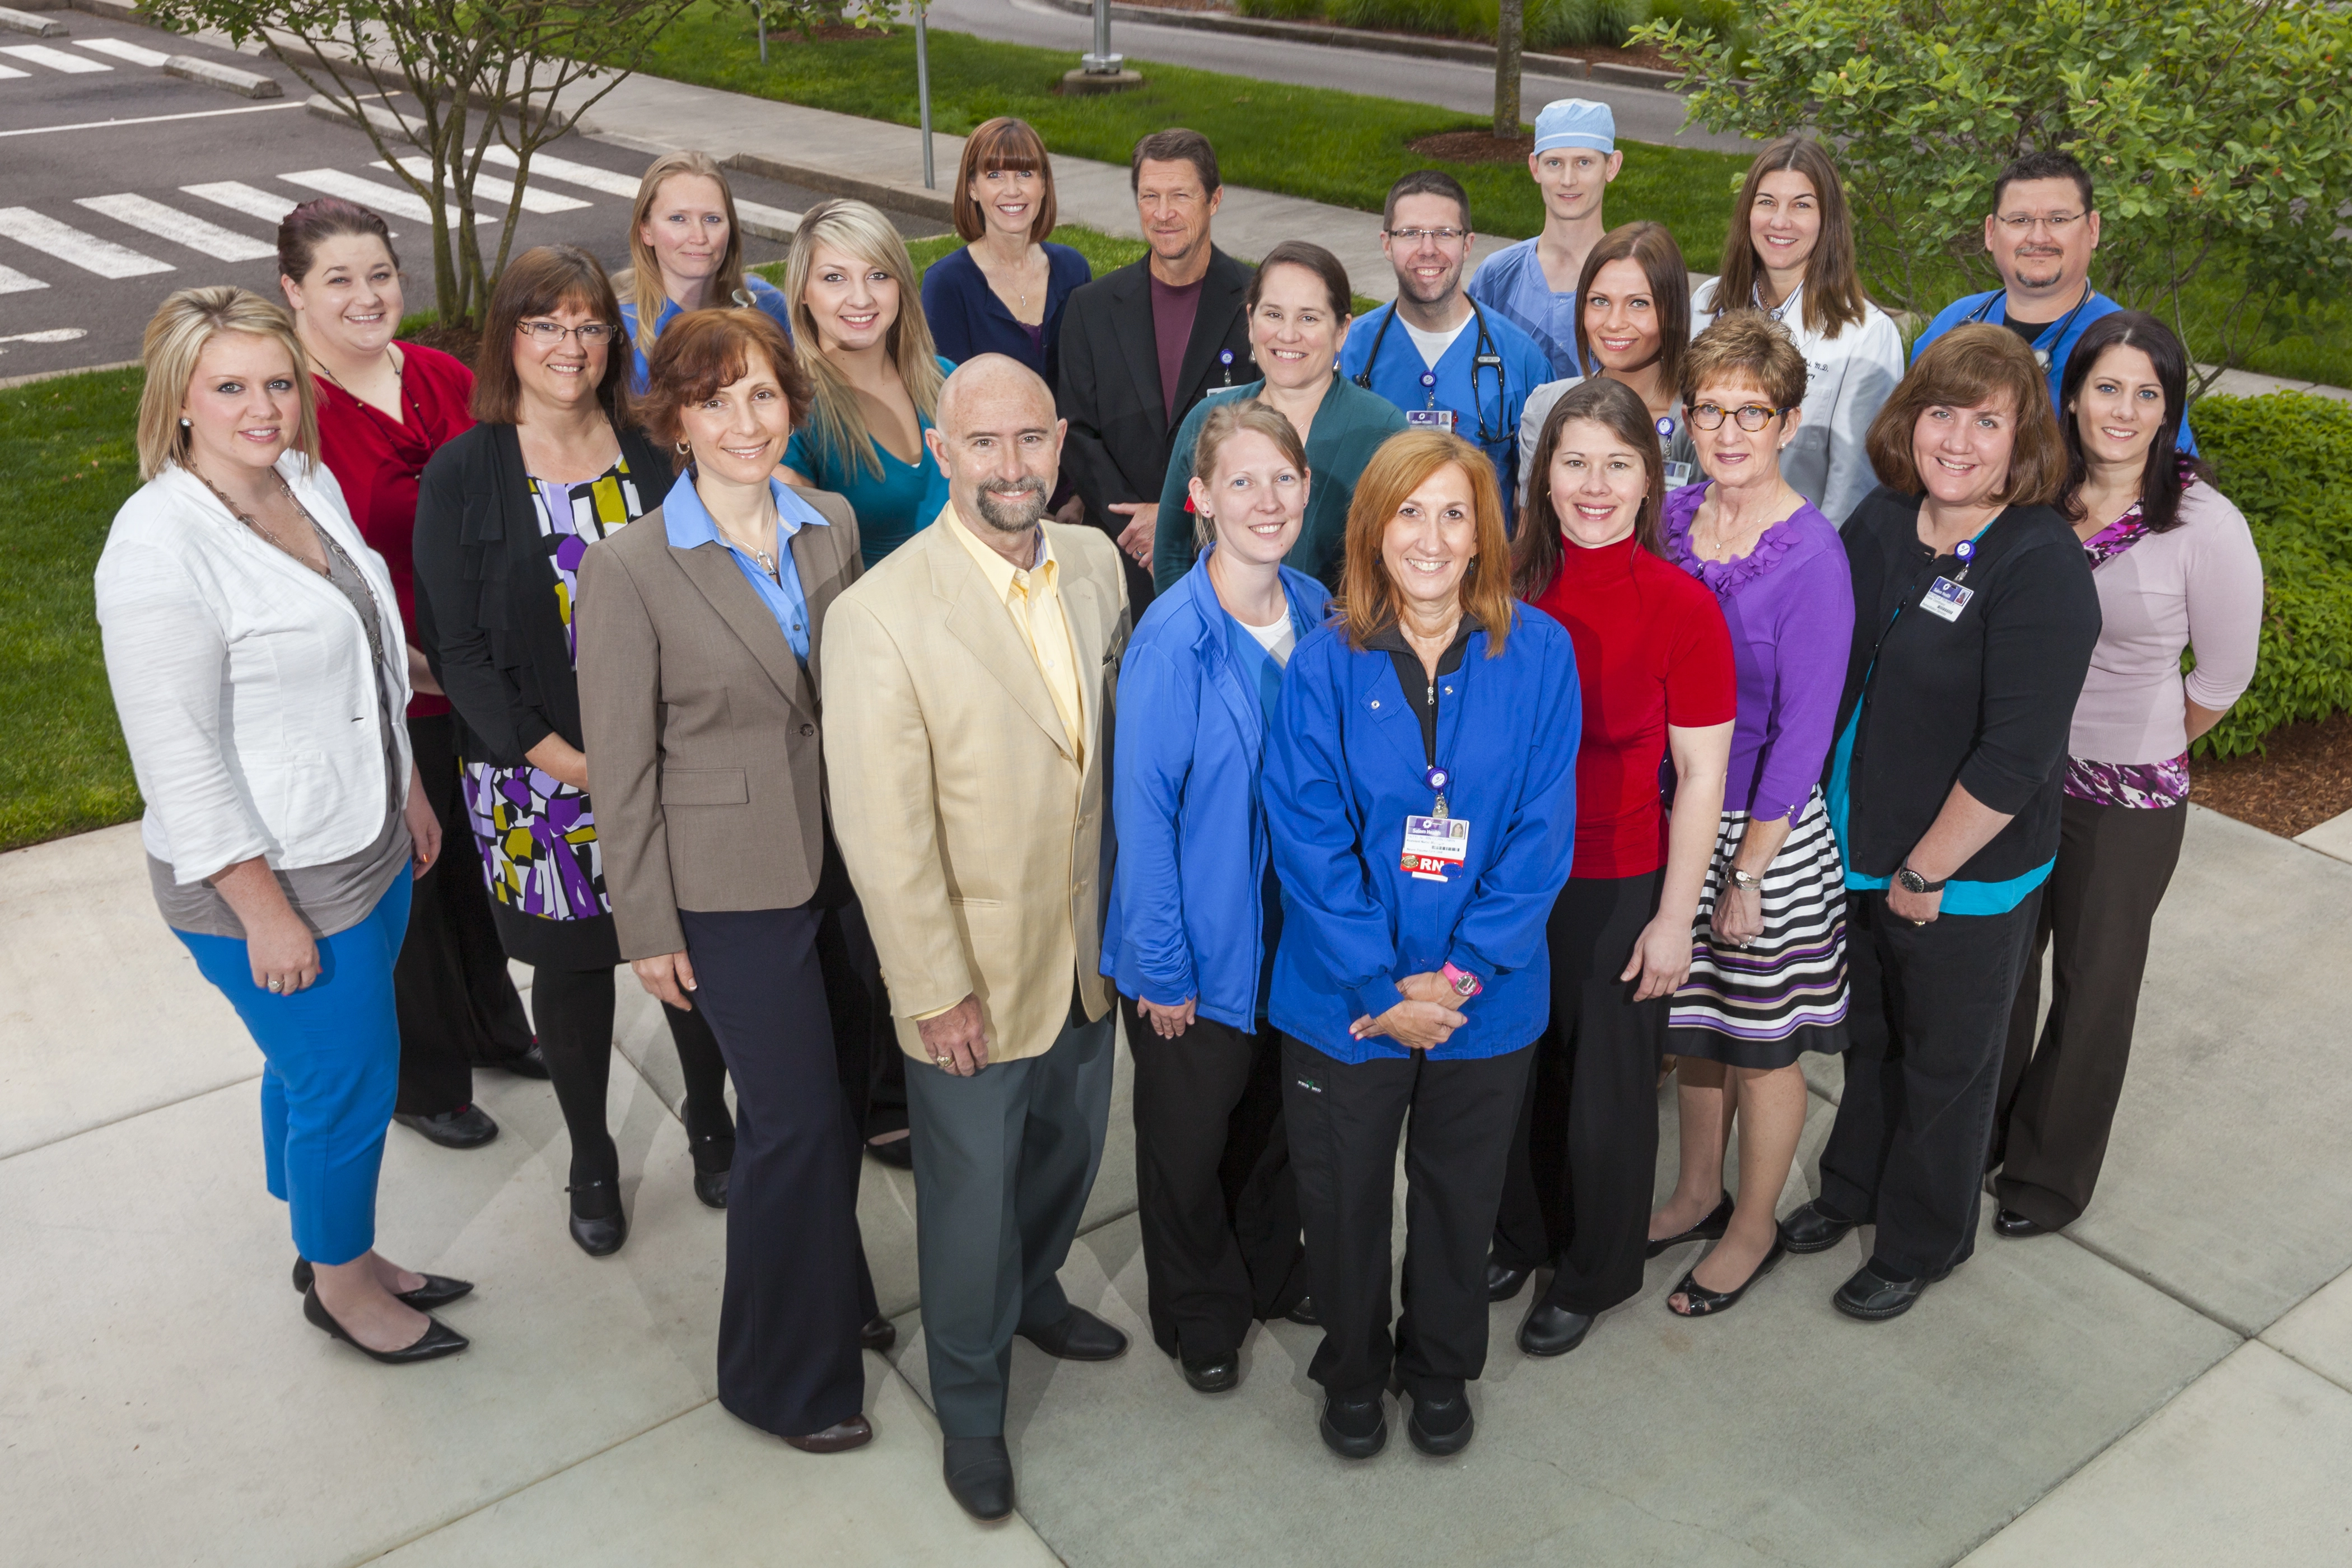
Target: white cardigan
x,y
243,682
1847,378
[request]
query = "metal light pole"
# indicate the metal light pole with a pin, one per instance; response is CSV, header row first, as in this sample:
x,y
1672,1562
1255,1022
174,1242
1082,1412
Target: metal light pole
x,y
1102,62
923,88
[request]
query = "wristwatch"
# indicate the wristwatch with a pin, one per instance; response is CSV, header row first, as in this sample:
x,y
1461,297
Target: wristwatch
x,y
1747,880
1465,985
1915,883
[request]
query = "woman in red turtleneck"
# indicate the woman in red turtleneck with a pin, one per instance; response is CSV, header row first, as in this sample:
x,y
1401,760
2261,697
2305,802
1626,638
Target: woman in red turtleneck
x,y
1654,659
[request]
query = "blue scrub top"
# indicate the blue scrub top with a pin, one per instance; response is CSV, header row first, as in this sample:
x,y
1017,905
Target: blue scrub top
x,y
1512,282
893,506
766,298
1493,401
1994,307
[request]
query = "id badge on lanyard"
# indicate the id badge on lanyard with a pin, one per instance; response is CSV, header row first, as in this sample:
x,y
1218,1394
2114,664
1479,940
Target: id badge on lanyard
x,y
1430,417
1435,846
1946,597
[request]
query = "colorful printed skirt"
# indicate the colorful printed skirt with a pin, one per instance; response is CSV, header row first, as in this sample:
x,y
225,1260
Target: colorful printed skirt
x,y
1762,1006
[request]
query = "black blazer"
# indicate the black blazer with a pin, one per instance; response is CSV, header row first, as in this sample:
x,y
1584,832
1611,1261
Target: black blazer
x,y
486,612
1116,449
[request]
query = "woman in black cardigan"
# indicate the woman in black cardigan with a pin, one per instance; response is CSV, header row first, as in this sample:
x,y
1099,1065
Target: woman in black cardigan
x,y
504,513
1974,620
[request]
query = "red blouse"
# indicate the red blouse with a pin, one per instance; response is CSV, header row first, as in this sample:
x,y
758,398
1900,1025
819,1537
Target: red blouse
x,y
1650,650
378,460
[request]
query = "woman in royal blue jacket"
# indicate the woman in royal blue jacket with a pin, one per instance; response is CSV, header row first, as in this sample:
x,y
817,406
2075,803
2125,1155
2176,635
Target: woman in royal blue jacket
x,y
1194,910
1421,790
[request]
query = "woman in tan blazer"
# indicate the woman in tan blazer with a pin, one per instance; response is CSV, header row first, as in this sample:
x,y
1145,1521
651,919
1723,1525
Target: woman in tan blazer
x,y
699,634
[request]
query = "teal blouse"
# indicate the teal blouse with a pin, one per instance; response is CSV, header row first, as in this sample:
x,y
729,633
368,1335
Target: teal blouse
x,y
891,508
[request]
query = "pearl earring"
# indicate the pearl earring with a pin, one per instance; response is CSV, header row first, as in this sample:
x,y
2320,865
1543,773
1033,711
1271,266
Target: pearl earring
x,y
187,425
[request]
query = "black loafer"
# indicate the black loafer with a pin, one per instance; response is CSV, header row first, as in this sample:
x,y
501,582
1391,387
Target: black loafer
x,y
1441,1425
1355,1428
1214,1375
437,1339
1711,1228
1503,1282
1816,1227
713,1157
467,1127
438,1290
2011,1224
599,1235
1304,1313
1080,1336
1553,1331
1874,1297
838,1439
1704,1302
878,1335
532,1063
979,1473
899,1153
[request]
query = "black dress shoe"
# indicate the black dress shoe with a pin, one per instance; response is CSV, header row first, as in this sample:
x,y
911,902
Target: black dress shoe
x,y
438,1290
1080,1336
467,1127
2011,1224
979,1473
1704,1302
1503,1282
1214,1375
878,1335
1874,1297
1553,1331
438,1340
600,1231
1816,1227
839,1438
899,1153
1441,1425
713,1157
1711,1228
1304,1313
532,1063
1355,1428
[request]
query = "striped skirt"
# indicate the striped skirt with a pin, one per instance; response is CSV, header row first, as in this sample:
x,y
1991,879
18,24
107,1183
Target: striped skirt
x,y
1761,1005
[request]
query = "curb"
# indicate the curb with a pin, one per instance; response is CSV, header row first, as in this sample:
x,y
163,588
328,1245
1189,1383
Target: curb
x,y
891,196
210,73
9,383
14,21
114,10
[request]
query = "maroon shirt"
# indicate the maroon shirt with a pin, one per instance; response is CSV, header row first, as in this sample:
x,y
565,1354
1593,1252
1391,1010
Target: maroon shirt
x,y
378,460
1173,311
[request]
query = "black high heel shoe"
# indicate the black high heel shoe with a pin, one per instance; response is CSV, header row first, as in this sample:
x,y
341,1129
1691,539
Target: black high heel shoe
x,y
438,1338
1704,1303
710,1172
438,1290
1711,1228
599,1235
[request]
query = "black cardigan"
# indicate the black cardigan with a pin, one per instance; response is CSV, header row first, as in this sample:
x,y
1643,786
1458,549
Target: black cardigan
x,y
486,610
1984,700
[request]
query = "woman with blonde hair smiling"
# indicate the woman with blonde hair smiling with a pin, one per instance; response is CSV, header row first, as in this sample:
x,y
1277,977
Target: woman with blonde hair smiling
x,y
686,253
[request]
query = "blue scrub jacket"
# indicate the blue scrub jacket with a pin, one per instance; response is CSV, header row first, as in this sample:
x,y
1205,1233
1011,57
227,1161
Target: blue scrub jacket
x,y
1346,768
1186,914
1994,307
1500,399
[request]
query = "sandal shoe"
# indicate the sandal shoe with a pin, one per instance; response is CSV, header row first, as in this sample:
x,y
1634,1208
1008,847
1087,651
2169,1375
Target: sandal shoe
x,y
1711,1228
1704,1303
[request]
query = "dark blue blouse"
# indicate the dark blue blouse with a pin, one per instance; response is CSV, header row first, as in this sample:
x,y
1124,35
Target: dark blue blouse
x,y
968,319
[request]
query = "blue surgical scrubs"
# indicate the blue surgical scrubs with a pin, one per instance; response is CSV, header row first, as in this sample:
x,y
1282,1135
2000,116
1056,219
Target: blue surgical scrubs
x,y
1512,282
2057,340
1485,399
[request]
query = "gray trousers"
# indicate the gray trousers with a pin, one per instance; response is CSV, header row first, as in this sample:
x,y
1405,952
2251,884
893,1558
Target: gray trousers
x,y
1003,1162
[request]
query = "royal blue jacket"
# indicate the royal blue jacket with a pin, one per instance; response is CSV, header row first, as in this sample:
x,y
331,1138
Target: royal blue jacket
x,y
1187,914
1344,769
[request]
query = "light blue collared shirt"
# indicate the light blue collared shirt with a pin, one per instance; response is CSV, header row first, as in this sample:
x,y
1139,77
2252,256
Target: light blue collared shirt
x,y
688,523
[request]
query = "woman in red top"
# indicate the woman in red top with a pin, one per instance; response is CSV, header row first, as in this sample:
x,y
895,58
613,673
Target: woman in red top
x,y
1654,659
383,408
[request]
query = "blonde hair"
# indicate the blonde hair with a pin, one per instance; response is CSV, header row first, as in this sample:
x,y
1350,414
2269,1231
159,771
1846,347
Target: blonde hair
x,y
1225,421
641,285
175,341
861,231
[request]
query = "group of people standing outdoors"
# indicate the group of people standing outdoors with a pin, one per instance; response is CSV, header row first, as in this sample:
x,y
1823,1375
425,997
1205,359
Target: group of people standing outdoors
x,y
1428,736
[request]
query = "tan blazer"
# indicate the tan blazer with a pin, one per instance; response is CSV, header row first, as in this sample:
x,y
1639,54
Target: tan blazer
x,y
705,769
977,843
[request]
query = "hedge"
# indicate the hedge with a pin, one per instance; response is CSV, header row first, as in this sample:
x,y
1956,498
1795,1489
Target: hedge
x,y
1549,24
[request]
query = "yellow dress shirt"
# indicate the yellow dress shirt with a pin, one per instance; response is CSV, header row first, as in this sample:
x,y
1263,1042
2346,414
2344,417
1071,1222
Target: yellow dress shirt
x,y
1034,597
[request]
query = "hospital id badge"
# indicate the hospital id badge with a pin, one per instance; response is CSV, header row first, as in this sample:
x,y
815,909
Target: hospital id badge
x,y
1433,418
1946,599
1678,475
1433,845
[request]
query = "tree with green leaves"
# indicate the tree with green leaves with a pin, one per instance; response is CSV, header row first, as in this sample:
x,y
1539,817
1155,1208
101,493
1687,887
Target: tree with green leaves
x,y
437,84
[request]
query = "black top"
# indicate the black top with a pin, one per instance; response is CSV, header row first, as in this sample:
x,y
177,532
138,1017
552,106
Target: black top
x,y
1413,675
486,609
1984,700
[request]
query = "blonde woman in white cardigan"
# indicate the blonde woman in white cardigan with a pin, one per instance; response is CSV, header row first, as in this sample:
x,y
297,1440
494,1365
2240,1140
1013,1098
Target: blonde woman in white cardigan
x,y
259,671
1790,255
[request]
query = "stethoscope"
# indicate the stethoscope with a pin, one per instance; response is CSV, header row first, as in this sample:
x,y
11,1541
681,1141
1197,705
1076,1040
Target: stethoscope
x,y
2057,335
1483,359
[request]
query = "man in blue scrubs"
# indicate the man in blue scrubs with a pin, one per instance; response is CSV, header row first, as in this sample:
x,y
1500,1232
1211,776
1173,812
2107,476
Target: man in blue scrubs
x,y
1533,282
1445,360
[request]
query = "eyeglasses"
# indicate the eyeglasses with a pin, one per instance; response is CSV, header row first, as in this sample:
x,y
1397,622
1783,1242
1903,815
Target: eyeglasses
x,y
1750,417
590,333
2023,224
1411,237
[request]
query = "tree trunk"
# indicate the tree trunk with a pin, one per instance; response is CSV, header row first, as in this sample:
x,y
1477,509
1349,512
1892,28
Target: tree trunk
x,y
1507,31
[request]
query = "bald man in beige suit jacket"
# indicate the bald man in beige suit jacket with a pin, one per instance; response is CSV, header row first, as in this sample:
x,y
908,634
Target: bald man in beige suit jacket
x,y
968,698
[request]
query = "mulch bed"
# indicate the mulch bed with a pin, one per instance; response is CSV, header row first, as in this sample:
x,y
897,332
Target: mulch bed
x,y
1474,147
2302,779
459,343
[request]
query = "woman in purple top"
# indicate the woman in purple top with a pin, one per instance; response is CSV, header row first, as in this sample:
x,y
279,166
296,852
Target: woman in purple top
x,y
1767,976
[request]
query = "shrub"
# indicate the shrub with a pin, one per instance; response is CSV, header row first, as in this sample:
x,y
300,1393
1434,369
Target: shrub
x,y
1549,25
1281,10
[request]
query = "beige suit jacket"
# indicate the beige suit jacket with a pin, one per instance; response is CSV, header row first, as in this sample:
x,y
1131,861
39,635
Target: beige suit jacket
x,y
977,842
705,768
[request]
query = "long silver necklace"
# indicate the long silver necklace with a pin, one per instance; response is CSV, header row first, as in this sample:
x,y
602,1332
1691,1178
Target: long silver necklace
x,y
255,523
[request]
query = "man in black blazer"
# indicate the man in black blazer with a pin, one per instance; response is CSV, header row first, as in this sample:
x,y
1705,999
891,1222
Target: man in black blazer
x,y
1141,345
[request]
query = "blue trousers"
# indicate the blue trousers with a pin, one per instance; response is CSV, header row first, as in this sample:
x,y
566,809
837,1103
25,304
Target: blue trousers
x,y
331,1072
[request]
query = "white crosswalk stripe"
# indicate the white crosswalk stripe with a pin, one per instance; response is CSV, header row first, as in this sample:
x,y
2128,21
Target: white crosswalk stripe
x,y
493,193
15,283
586,175
371,194
71,244
56,60
9,71
179,228
267,205
124,49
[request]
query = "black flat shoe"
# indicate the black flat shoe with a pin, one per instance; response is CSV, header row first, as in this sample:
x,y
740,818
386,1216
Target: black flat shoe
x,y
899,1153
979,1473
1441,1427
438,1340
710,1170
1214,1374
438,1290
1304,1313
1355,1428
1874,1297
1711,1228
1504,1282
467,1127
1816,1227
599,1235
838,1439
532,1063
1080,1336
2013,1225
1553,1331
1704,1303
878,1335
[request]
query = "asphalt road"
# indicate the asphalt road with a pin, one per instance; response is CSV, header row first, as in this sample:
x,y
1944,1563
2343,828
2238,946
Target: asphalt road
x,y
84,120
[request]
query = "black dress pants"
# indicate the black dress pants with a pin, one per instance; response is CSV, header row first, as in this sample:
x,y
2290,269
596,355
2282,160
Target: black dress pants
x,y
873,1068
1344,1120
1584,1162
1929,1017
1214,1196
455,1003
797,1287
2058,1097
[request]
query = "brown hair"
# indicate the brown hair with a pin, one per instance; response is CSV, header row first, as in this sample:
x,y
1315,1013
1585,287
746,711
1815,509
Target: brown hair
x,y
1424,183
1175,145
1367,604
1009,144
643,280
315,222
1227,420
704,350
1652,247
539,281
176,340
1535,553
1833,295
1314,258
1747,347
1976,362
